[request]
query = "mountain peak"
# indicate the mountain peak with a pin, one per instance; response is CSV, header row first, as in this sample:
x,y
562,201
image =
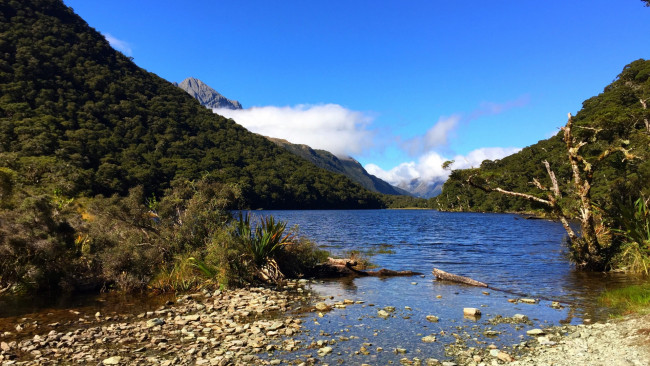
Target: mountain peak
x,y
206,95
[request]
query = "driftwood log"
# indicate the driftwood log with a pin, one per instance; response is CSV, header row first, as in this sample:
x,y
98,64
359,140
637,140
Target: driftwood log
x,y
442,275
335,267
445,276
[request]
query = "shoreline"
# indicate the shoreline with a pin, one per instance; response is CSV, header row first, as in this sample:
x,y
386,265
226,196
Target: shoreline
x,y
265,326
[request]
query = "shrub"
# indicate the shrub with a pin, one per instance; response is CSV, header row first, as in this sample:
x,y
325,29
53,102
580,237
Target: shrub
x,y
635,235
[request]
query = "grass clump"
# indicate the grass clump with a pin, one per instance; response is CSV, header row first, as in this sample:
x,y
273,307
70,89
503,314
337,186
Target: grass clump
x,y
628,300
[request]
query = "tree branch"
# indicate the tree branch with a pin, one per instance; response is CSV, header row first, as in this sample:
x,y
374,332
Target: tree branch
x,y
555,188
529,197
645,118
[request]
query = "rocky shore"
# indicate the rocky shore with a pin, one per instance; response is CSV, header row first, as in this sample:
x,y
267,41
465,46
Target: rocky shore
x,y
205,328
263,326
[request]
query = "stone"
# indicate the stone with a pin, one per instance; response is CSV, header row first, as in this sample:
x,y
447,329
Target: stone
x,y
494,352
504,357
528,301
389,309
520,317
432,318
321,306
471,311
154,322
535,332
115,360
429,339
382,314
275,326
324,351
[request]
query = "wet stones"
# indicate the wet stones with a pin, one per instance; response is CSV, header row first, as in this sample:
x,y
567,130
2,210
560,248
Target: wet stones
x,y
429,339
528,301
221,328
472,312
432,318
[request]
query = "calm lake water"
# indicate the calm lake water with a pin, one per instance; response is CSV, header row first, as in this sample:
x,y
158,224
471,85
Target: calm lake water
x,y
504,250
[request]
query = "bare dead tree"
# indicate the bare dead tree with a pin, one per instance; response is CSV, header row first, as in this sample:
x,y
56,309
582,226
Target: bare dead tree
x,y
587,249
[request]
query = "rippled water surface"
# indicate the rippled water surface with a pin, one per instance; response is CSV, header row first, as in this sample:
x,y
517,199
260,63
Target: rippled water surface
x,y
526,258
504,250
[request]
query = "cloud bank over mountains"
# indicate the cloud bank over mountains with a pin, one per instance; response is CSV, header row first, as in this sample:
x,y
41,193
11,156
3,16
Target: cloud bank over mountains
x,y
346,132
428,167
328,127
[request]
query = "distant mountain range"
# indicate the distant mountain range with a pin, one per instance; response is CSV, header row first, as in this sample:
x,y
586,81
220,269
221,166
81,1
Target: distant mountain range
x,y
422,189
206,95
348,166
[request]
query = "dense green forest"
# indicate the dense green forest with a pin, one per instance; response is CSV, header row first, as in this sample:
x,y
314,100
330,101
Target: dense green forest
x,y
618,117
113,177
81,118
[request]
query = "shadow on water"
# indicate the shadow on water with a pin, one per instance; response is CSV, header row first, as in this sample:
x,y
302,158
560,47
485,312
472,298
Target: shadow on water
x,y
59,311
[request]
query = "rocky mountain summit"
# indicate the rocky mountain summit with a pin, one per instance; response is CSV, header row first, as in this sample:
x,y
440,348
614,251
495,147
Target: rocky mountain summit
x,y
206,95
421,188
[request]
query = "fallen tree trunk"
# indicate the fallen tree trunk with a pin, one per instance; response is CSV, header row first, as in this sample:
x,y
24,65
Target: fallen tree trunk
x,y
445,276
334,268
442,275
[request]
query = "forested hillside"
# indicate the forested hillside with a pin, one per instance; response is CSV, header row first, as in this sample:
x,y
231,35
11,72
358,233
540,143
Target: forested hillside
x,y
614,120
81,119
348,167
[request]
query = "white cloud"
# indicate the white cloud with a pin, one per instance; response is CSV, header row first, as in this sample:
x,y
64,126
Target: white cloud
x,y
329,127
429,166
437,136
119,45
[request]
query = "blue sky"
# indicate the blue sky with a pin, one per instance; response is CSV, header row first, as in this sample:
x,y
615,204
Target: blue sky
x,y
399,85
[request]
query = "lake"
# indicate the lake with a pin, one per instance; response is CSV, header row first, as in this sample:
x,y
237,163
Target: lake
x,y
506,251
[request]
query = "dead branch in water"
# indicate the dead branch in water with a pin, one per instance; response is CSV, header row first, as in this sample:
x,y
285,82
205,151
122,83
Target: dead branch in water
x,y
442,275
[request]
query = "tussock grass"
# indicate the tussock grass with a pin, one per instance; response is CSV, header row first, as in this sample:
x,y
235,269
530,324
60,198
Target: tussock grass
x,y
628,300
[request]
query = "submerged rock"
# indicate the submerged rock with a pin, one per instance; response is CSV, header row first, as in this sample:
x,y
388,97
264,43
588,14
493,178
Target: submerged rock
x,y
432,318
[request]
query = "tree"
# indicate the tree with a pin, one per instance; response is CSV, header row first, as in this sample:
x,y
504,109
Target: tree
x,y
588,251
